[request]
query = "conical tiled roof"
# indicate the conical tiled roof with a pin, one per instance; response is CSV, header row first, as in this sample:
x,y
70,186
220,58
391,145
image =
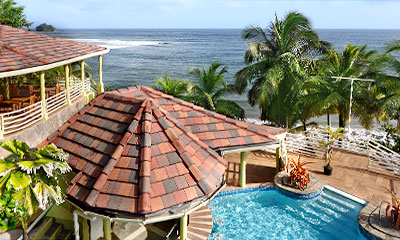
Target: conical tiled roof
x,y
132,157
216,130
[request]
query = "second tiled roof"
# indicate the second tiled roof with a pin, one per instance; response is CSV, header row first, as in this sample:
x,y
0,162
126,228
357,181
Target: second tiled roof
x,y
21,49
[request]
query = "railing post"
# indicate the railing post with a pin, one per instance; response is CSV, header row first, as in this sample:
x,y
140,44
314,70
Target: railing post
x,y
242,178
83,78
43,97
67,93
100,87
183,227
2,128
369,152
107,228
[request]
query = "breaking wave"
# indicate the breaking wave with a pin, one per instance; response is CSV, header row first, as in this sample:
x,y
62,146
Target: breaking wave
x,y
116,44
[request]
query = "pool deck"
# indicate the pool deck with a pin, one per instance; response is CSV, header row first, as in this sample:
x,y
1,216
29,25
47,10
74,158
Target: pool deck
x,y
350,174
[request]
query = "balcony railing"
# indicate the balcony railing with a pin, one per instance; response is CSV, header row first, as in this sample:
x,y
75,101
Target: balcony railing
x,y
23,118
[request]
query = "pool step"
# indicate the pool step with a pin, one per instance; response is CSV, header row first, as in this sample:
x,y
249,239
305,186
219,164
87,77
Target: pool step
x,y
200,224
332,214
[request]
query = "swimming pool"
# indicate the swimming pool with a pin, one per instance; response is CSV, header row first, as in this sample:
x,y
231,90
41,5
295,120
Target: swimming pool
x,y
268,214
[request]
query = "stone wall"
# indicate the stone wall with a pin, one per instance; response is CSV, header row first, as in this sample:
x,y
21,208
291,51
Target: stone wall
x,y
37,133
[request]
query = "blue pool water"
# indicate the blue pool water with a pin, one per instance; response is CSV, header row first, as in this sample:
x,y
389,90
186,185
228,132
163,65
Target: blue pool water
x,y
268,214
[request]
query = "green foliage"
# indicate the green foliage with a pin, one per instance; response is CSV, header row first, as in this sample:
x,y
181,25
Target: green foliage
x,y
327,144
30,178
13,15
391,84
11,211
208,89
279,60
392,137
108,88
325,94
45,28
174,87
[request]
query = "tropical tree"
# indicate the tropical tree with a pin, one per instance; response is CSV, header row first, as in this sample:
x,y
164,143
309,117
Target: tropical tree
x,y
174,87
279,59
208,89
328,93
13,15
31,179
391,83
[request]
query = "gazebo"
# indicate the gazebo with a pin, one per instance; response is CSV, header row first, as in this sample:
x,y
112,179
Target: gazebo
x,y
143,156
28,113
135,163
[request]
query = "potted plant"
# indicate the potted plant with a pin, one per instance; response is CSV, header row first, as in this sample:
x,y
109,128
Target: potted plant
x,y
298,175
333,136
29,180
392,209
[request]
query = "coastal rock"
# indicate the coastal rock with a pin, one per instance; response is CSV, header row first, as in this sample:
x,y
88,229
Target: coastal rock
x,y
45,28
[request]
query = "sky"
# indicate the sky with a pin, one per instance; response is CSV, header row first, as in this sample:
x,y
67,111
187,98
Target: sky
x,y
350,14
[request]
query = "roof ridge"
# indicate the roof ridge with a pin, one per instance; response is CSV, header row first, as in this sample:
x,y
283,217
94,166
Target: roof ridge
x,y
145,158
102,179
174,139
240,124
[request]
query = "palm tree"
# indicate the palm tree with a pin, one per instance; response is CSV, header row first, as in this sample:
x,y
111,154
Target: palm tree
x,y
278,59
174,87
31,178
391,85
368,105
208,89
328,95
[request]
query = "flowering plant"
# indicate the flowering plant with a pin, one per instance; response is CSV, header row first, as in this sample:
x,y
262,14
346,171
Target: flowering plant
x,y
392,208
299,176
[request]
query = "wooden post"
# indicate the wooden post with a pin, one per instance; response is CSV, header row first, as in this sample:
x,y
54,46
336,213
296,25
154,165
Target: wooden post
x,y
242,179
1,128
183,227
7,89
85,229
100,88
43,96
66,68
83,78
107,228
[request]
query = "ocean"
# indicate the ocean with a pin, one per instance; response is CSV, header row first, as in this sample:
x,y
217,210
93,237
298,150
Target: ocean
x,y
140,56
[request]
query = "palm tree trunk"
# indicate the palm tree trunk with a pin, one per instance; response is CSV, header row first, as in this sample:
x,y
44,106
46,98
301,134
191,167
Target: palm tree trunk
x,y
304,125
25,228
342,122
287,123
398,118
328,117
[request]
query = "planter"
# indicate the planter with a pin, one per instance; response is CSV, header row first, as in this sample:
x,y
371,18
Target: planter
x,y
395,217
328,170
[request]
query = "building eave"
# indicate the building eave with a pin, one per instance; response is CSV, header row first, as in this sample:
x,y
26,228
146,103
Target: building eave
x,y
51,65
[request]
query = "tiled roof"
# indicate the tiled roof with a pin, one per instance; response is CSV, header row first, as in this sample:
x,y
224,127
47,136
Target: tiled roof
x,y
132,157
21,49
216,130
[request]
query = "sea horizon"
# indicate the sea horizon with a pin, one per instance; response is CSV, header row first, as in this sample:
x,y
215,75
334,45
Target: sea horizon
x,y
139,56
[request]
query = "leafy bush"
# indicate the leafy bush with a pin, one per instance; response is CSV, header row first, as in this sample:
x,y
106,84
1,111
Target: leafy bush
x,y
392,137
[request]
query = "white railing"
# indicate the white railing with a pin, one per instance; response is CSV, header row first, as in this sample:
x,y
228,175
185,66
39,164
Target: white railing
x,y
18,120
380,158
